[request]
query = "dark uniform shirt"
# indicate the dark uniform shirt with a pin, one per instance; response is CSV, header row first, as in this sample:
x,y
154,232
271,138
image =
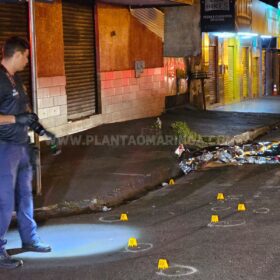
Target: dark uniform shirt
x,y
13,101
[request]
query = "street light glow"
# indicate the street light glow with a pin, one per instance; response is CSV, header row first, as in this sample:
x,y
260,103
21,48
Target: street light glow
x,y
247,34
224,34
241,34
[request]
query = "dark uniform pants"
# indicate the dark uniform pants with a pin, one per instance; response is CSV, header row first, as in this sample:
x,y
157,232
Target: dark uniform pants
x,y
16,192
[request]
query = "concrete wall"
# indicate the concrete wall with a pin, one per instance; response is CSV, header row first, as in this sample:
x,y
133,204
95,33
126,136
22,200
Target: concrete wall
x,y
182,34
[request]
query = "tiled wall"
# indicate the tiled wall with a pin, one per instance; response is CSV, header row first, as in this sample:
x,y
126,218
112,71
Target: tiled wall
x,y
52,102
123,97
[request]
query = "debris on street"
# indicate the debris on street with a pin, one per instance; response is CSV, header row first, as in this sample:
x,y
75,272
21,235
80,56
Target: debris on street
x,y
158,123
255,153
106,209
180,150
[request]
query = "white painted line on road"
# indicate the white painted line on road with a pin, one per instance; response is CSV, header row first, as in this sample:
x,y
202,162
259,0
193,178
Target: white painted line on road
x,y
141,247
217,202
271,187
133,174
257,195
273,179
262,210
225,224
220,208
224,184
177,270
111,219
235,196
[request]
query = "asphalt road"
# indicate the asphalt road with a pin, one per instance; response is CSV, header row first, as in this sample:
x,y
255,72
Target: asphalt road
x,y
172,223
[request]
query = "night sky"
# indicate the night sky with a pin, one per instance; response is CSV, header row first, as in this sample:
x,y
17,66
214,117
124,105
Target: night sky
x,y
271,2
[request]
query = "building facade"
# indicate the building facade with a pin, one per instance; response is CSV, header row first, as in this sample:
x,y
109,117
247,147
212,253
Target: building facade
x,y
239,50
96,63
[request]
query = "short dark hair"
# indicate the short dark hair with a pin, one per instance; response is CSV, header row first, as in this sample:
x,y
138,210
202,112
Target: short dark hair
x,y
14,44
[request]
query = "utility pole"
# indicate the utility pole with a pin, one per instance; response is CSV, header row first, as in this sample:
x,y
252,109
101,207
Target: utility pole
x,y
32,40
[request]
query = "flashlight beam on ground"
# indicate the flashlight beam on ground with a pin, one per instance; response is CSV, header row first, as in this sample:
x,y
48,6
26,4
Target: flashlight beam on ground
x,y
76,240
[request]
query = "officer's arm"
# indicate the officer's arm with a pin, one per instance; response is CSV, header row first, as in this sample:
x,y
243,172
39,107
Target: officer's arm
x,y
7,119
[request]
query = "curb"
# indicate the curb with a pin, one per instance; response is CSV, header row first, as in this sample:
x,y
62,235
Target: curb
x,y
70,208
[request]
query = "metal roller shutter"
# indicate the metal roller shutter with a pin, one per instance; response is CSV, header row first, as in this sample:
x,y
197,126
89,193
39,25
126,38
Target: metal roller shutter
x,y
212,80
268,73
263,72
14,22
79,55
229,77
255,77
245,76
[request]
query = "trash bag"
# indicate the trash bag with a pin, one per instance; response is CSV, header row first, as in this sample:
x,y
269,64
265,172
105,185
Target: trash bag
x,y
185,167
224,156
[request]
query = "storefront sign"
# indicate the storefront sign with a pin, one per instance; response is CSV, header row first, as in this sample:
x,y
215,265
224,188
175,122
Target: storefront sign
x,y
217,15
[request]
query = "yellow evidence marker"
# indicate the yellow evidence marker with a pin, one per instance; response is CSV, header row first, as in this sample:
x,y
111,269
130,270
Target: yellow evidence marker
x,y
162,264
132,242
214,219
171,182
241,207
220,196
124,217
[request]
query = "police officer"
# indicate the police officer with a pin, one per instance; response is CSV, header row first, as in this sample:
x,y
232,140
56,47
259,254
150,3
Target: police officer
x,y
15,168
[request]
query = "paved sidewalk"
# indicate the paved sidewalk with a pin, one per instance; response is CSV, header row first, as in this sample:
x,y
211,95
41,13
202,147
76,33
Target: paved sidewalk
x,y
88,175
265,104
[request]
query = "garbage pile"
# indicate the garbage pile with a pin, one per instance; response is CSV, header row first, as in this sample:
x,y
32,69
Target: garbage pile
x,y
255,153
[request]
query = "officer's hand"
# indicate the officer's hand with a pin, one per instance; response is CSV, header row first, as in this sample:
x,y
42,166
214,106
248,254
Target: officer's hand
x,y
26,118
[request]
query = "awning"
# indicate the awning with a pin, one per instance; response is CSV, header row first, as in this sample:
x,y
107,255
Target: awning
x,y
130,3
147,3
23,1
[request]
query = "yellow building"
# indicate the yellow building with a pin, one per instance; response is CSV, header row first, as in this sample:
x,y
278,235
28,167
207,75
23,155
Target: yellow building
x,y
239,50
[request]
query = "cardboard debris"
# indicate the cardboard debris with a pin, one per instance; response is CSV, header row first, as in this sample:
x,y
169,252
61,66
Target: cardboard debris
x,y
256,153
